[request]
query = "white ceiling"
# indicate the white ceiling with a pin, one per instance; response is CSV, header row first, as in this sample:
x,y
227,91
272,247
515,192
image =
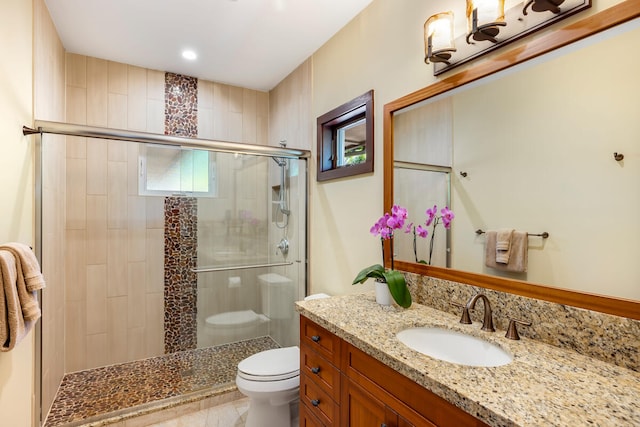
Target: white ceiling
x,y
248,43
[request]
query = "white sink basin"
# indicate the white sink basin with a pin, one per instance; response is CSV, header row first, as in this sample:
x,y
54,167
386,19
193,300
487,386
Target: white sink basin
x,y
454,347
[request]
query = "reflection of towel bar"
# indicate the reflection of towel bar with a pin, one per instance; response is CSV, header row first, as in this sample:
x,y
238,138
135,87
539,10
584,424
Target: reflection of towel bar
x,y
544,235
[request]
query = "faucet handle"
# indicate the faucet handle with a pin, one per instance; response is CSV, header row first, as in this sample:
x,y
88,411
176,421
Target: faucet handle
x,y
512,331
465,319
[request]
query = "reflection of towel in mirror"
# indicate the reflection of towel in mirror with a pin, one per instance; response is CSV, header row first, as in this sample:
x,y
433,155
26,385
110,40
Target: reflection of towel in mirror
x,y
503,245
21,278
518,252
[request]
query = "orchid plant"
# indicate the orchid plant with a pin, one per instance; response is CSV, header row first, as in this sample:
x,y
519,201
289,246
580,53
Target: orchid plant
x,y
385,227
446,216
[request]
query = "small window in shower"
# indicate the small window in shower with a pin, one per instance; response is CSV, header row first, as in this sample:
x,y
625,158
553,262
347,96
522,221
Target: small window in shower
x,y
169,171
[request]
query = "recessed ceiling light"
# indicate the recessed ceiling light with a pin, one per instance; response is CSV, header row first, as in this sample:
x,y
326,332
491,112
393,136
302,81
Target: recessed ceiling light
x,y
189,55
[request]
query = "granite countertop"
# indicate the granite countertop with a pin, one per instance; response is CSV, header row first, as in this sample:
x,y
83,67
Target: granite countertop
x,y
543,385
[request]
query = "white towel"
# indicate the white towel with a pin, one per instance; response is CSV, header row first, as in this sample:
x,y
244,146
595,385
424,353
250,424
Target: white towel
x,y
503,245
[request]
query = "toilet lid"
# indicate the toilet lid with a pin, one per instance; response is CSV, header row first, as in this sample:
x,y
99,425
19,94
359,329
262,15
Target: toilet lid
x,y
271,365
233,318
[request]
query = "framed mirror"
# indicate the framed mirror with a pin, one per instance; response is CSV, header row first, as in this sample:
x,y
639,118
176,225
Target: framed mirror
x,y
537,174
345,139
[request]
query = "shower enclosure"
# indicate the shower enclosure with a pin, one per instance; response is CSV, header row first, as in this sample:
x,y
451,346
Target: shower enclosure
x,y
172,248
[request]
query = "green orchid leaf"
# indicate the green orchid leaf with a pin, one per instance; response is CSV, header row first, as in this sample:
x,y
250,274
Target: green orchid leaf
x,y
375,271
398,288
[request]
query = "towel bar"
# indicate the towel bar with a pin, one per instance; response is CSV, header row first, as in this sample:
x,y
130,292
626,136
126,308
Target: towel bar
x,y
544,234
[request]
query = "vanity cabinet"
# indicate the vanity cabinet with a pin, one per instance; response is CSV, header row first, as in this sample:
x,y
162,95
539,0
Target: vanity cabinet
x,y
341,385
320,354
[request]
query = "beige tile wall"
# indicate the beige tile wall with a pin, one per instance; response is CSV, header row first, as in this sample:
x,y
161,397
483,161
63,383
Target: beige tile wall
x,y
114,238
114,304
49,66
290,117
230,113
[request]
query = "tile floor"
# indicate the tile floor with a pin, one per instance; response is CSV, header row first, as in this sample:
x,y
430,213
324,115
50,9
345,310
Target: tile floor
x,y
232,414
94,394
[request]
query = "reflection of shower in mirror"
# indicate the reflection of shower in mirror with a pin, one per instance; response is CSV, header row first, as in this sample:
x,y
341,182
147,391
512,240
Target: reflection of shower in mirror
x,y
283,194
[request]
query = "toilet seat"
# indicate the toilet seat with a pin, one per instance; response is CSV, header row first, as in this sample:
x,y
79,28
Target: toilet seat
x,y
271,365
231,319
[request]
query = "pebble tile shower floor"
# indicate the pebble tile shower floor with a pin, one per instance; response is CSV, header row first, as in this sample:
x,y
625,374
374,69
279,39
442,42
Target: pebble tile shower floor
x,y
95,393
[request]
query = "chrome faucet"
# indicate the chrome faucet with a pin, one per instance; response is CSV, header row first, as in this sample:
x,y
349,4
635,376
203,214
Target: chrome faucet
x,y
487,323
283,247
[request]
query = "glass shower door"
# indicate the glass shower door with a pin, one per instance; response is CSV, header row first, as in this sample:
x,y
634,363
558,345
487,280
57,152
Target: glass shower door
x,y
251,250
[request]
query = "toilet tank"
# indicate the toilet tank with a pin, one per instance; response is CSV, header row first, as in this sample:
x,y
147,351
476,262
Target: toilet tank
x,y
277,294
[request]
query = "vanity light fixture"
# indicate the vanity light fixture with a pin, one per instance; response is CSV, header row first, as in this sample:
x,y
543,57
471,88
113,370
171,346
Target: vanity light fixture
x,y
489,26
543,6
484,19
438,38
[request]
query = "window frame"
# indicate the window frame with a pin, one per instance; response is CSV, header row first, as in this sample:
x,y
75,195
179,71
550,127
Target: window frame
x,y
327,144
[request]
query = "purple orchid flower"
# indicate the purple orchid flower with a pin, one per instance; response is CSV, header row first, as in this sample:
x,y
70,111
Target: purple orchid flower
x,y
431,215
422,232
447,217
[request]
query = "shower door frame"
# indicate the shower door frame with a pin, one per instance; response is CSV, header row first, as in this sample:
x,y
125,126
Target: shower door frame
x,y
68,129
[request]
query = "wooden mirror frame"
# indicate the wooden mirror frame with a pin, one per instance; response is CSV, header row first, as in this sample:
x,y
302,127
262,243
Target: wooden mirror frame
x,y
615,15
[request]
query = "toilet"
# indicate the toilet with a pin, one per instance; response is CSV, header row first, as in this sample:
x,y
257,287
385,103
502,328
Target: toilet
x,y
276,302
271,381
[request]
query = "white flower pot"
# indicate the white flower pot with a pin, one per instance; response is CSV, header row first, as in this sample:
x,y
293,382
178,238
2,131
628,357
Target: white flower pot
x,y
383,295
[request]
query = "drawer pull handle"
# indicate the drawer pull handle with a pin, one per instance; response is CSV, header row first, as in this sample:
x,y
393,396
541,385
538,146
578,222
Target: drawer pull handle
x,y
315,338
315,369
383,425
315,402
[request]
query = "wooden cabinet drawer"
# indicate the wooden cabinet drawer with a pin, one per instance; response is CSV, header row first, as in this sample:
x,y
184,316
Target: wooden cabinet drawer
x,y
320,371
320,340
318,402
379,380
307,419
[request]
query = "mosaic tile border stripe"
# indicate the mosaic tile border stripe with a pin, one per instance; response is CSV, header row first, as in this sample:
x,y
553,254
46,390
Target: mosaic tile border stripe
x,y
180,235
180,283
180,105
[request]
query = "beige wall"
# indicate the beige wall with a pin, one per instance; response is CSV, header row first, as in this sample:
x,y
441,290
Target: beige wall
x,y
381,49
16,172
49,89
